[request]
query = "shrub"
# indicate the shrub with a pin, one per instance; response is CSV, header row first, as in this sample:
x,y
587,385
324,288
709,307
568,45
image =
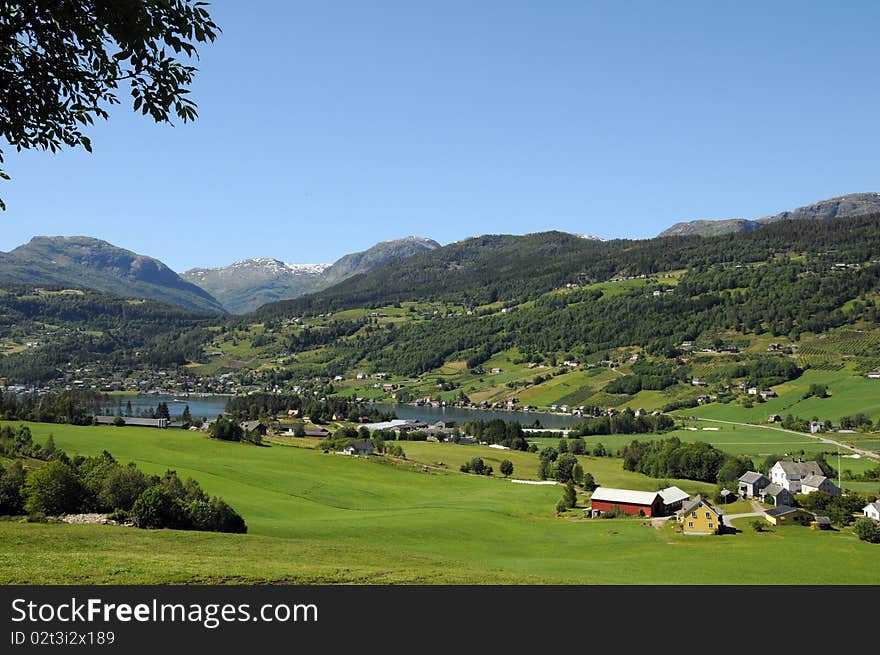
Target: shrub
x,y
157,508
867,530
53,489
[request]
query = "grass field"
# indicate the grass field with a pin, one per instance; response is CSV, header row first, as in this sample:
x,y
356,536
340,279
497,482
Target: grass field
x,y
317,517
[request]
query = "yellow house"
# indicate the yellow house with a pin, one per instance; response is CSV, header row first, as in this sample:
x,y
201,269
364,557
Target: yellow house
x,y
700,517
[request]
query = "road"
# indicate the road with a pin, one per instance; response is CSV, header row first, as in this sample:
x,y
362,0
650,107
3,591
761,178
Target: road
x,y
732,517
826,440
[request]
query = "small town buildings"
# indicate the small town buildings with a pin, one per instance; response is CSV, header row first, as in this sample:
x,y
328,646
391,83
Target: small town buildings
x,y
776,494
751,483
767,393
872,510
358,448
787,515
699,517
789,474
316,433
874,375
775,418
816,426
608,499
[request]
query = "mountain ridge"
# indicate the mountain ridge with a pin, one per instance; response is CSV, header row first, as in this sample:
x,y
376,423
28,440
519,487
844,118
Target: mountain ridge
x,y
82,261
852,204
247,284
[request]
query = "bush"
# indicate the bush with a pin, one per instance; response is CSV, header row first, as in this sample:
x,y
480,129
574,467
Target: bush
x,y
215,516
53,489
759,525
867,530
561,506
157,508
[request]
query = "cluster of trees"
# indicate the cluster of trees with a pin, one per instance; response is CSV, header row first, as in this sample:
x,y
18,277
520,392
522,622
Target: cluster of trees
x,y
497,431
65,485
73,406
562,467
624,422
858,421
478,467
867,530
230,430
672,458
839,509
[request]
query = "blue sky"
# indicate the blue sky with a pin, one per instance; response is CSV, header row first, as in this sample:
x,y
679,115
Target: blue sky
x,y
328,126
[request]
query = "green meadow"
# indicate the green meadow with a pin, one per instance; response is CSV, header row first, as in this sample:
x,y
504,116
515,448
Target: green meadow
x,y
327,518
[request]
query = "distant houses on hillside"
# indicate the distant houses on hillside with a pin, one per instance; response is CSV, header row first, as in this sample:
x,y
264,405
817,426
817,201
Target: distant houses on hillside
x,y
786,479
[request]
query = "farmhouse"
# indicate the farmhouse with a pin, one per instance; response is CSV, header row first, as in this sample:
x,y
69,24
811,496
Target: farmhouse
x,y
699,517
132,420
776,494
316,433
819,483
785,515
789,474
751,483
358,448
872,510
607,499
254,426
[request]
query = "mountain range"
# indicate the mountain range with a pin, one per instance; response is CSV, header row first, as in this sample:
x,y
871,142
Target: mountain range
x,y
854,204
79,261
248,284
499,266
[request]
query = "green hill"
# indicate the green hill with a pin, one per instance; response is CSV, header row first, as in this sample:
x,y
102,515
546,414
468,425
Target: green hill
x,y
90,263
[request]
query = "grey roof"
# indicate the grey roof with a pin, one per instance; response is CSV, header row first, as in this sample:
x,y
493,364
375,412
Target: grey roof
x,y
672,495
134,420
783,509
691,506
773,489
823,520
813,480
800,469
751,477
360,445
611,495
251,425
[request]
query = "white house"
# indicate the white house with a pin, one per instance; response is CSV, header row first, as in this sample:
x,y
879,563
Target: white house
x,y
789,475
358,448
813,483
872,510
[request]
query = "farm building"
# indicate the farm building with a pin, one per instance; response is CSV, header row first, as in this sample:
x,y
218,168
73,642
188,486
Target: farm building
x,y
776,494
254,426
751,483
673,499
789,474
700,517
872,510
819,483
132,420
785,515
607,499
358,448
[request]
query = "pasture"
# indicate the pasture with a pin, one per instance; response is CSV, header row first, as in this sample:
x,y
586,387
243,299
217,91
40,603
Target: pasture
x,y
326,518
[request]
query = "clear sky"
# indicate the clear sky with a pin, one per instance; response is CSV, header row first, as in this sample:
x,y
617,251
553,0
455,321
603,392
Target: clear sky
x,y
328,126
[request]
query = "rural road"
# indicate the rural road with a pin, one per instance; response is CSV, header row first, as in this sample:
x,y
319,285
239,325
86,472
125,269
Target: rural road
x,y
732,517
832,442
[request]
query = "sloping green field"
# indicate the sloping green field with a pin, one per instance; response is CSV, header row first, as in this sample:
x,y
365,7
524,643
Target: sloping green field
x,y
317,517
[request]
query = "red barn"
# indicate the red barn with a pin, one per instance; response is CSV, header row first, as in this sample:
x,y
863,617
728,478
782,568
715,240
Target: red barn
x,y
605,499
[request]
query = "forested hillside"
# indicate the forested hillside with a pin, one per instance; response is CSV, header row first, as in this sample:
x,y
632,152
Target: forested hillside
x,y
511,269
42,329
